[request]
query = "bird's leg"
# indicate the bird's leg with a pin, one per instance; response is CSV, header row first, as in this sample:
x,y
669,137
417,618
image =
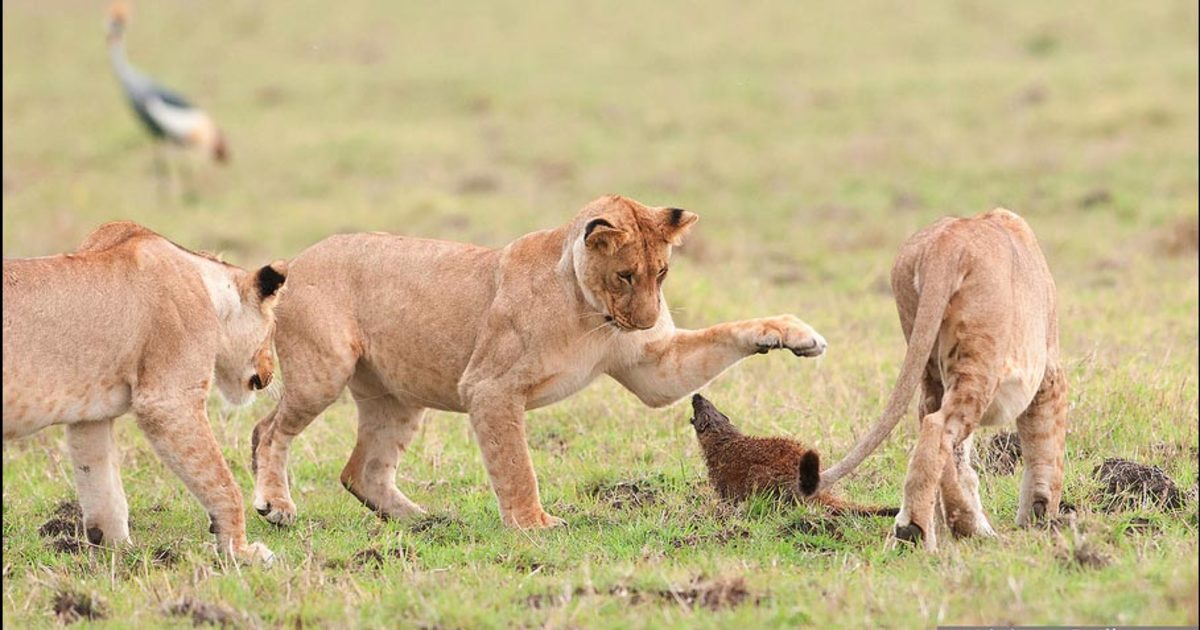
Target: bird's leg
x,y
187,181
162,173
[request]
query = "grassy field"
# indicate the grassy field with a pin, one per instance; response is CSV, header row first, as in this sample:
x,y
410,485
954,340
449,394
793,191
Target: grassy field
x,y
811,140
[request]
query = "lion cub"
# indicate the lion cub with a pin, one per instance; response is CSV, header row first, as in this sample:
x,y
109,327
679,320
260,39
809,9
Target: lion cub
x,y
741,465
133,322
977,305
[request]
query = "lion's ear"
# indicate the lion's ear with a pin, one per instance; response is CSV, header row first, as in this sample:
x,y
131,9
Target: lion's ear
x,y
600,234
270,278
676,223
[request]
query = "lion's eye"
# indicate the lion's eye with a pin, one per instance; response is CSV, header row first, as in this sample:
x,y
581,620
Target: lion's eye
x,y
626,277
662,273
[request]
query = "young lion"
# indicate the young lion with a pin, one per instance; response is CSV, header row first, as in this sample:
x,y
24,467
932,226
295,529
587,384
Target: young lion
x,y
977,305
132,321
411,324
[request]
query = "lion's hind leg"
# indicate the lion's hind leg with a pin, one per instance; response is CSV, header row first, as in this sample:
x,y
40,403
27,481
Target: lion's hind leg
x,y
1043,429
386,426
98,481
940,434
960,493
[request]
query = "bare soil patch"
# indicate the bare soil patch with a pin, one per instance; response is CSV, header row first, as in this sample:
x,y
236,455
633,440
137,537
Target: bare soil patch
x,y
723,537
1000,454
715,594
622,494
72,606
202,613
373,558
1127,485
65,529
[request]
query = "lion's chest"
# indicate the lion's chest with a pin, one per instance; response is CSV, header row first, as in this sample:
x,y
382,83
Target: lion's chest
x,y
561,384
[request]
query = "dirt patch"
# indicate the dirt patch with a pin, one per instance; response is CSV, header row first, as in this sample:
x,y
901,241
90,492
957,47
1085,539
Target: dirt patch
x,y
201,612
712,595
1140,525
67,545
1180,237
65,528
69,509
477,184
1000,455
164,556
1095,198
813,533
60,527
432,522
67,520
373,558
811,526
1127,485
551,440
72,606
1086,556
525,564
622,494
441,529
723,537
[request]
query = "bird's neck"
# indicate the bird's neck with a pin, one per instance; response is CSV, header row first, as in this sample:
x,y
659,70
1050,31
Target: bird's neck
x,y
120,64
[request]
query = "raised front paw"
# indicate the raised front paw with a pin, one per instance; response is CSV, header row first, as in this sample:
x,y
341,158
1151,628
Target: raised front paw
x,y
786,331
531,519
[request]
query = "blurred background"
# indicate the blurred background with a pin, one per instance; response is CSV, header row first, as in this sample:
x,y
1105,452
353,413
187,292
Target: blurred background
x,y
792,125
811,139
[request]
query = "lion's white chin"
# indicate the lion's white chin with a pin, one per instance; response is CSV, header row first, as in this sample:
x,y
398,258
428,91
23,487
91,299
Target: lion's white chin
x,y
235,395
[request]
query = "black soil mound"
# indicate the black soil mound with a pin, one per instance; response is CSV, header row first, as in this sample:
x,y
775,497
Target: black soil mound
x,y
72,606
201,613
1127,485
999,455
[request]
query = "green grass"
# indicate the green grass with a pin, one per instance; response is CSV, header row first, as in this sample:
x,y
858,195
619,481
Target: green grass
x,y
811,140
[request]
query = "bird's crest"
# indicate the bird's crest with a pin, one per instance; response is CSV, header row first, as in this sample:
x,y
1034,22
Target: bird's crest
x,y
119,12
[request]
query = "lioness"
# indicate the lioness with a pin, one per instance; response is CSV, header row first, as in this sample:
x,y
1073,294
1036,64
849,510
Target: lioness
x,y
977,306
132,321
411,324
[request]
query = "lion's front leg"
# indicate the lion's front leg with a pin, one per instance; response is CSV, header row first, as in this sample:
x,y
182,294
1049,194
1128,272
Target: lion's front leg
x,y
671,368
498,417
182,438
98,481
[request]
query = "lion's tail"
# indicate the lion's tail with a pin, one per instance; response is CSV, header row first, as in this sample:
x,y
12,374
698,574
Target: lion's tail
x,y
934,297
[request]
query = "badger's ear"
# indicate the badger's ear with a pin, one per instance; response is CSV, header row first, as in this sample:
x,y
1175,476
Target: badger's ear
x,y
601,235
675,224
270,278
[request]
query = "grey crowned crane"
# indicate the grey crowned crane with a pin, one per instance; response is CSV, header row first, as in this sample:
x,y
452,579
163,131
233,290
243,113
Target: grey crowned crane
x,y
167,115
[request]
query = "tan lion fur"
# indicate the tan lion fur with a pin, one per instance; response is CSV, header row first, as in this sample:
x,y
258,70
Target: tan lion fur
x,y
133,322
977,305
410,324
